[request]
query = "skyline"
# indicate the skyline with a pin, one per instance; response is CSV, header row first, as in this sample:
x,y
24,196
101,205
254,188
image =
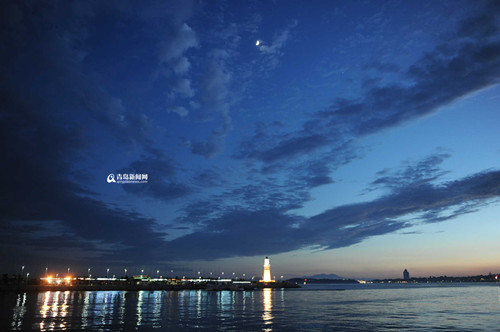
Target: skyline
x,y
350,138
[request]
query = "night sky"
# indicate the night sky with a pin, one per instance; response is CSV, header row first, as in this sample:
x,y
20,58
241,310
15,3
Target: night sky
x,y
351,137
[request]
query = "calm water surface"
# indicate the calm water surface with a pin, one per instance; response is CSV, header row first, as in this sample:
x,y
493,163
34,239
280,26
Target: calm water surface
x,y
450,307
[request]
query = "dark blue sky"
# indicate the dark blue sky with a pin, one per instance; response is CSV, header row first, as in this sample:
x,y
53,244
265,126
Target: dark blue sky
x,y
349,137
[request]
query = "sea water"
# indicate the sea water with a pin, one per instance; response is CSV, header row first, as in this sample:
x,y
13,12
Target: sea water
x,y
369,307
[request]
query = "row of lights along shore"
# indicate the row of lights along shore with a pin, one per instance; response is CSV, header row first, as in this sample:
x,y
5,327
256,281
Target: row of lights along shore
x,y
125,270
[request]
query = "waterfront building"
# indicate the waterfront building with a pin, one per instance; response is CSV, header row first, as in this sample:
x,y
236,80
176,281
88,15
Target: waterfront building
x,y
406,275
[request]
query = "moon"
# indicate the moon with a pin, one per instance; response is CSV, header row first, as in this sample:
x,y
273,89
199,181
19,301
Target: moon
x,y
257,43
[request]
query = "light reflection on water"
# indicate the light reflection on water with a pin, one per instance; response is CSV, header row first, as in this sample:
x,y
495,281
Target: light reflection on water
x,y
267,315
19,311
462,307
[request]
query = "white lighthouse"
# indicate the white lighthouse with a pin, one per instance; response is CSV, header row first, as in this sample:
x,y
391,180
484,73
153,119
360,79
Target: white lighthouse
x,y
266,277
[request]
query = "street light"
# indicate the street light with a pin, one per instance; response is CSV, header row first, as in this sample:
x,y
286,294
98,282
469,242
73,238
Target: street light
x,y
125,269
22,270
107,271
46,269
68,270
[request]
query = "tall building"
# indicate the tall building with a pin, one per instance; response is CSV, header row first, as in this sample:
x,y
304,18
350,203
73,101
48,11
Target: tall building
x,y
266,277
406,275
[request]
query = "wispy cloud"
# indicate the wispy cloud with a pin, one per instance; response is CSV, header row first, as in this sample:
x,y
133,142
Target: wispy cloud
x,y
273,230
162,182
215,99
424,171
461,64
279,40
174,46
274,50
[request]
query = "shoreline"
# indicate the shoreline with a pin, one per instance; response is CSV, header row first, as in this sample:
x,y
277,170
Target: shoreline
x,y
145,287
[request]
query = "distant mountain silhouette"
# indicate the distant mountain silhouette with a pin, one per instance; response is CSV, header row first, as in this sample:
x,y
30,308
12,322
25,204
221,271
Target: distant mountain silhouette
x,y
324,276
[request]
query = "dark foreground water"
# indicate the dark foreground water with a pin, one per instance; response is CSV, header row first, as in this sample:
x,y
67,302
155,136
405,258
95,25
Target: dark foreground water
x,y
449,307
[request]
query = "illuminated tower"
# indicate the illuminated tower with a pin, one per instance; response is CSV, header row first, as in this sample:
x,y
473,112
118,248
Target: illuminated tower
x,y
267,271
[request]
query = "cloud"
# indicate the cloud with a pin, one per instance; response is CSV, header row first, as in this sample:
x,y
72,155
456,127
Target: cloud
x,y
178,38
481,26
313,174
162,183
272,230
293,146
38,175
211,147
183,87
383,67
51,105
182,39
215,99
214,87
435,203
48,63
45,74
216,91
279,40
272,52
424,171
181,65
252,195
245,233
209,178
461,64
180,110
